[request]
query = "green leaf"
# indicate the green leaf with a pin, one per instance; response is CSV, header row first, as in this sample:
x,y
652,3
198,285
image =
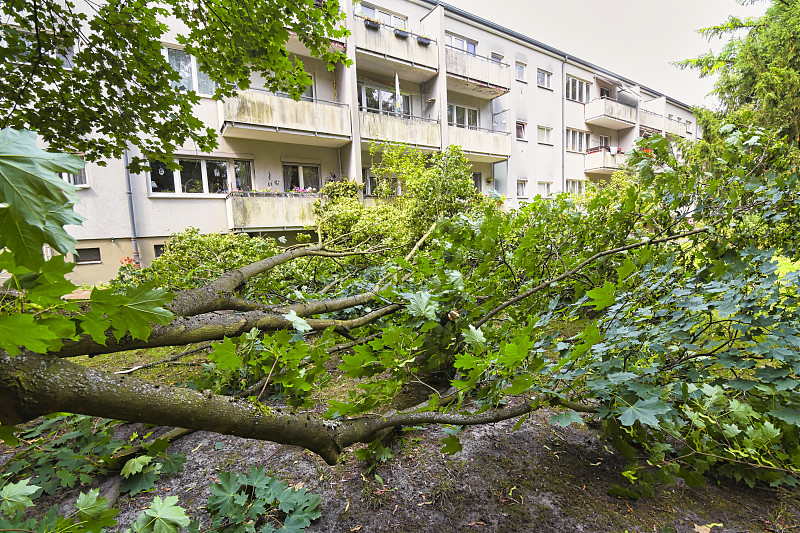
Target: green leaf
x,y
474,336
16,496
566,418
93,512
225,356
451,445
421,305
135,465
23,330
297,322
602,297
38,204
787,414
173,464
644,411
134,311
162,517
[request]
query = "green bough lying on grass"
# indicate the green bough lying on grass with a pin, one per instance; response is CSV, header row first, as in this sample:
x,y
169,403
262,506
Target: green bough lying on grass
x,y
686,351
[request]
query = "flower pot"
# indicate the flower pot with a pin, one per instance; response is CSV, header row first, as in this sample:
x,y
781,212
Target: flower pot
x,y
400,34
424,41
372,24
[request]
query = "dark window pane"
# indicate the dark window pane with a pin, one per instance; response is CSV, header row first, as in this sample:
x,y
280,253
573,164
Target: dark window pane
x,y
162,179
387,102
191,176
244,175
182,63
291,177
87,255
461,117
372,98
472,118
217,175
406,105
451,114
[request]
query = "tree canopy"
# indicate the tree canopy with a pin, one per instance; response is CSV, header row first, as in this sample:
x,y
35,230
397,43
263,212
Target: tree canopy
x,y
758,69
93,78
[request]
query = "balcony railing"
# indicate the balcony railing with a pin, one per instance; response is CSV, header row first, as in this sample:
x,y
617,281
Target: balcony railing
x,y
603,159
477,75
252,210
651,120
399,127
674,127
259,114
414,50
481,144
611,114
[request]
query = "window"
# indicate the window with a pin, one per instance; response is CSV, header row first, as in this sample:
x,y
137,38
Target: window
x,y
496,58
575,187
79,179
384,17
477,179
688,126
544,135
462,117
191,78
520,69
577,90
543,78
544,189
22,47
461,43
383,100
605,92
301,178
605,141
87,255
522,188
158,250
370,182
521,131
577,141
201,176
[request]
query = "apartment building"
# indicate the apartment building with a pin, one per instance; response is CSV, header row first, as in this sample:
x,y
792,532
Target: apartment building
x,y
531,119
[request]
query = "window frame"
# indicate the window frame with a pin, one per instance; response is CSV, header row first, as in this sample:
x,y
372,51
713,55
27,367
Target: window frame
x,y
577,90
547,185
524,136
547,76
477,180
496,57
524,67
301,179
195,71
450,38
361,89
177,183
76,258
548,134
582,137
454,108
580,186
524,183
394,16
79,180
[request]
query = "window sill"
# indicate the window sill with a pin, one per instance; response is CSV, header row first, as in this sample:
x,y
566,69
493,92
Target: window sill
x,y
188,195
522,140
89,263
82,186
522,81
545,88
545,144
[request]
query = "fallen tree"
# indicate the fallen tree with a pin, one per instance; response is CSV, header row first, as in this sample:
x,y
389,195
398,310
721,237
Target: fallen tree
x,y
661,309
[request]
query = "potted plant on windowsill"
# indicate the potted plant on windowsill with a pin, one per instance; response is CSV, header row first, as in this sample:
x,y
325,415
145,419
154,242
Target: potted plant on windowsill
x,y
400,33
423,40
371,24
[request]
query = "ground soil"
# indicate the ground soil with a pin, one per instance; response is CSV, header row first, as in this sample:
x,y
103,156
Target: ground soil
x,y
540,478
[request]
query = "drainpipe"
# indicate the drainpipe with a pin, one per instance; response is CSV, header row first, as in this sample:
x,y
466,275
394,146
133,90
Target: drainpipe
x,y
563,123
129,192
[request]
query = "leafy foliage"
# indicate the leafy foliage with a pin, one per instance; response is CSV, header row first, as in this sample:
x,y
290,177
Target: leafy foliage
x,y
244,503
49,84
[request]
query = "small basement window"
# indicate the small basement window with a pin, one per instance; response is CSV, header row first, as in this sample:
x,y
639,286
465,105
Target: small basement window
x,y
87,255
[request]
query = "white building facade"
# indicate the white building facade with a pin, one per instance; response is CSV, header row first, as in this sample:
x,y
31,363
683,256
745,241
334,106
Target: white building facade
x,y
531,119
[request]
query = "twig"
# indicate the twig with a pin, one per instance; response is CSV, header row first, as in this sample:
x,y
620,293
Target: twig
x,y
266,381
167,360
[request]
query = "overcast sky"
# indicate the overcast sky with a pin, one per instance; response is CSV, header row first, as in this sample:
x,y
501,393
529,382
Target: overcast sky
x,y
634,38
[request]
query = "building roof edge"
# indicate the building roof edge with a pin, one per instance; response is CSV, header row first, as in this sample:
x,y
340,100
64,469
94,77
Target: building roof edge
x,y
548,48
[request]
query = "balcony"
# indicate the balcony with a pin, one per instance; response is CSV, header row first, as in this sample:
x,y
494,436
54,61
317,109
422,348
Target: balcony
x,y
603,160
674,127
481,145
610,114
386,50
650,120
260,115
476,75
416,131
269,211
